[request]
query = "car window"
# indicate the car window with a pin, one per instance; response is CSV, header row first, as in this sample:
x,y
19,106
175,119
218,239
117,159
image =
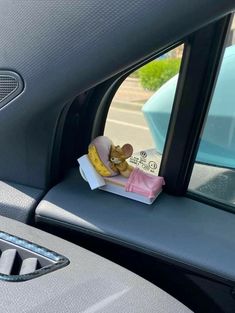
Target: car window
x,y
140,110
214,171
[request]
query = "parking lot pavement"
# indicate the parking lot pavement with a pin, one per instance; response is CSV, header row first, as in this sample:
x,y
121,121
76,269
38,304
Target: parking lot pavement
x,y
213,182
128,126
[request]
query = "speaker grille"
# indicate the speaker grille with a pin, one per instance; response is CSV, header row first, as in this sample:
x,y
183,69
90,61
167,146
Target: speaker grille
x,y
8,85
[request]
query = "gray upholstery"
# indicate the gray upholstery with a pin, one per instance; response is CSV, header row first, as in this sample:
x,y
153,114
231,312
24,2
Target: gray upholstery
x,y
178,229
61,48
88,284
17,201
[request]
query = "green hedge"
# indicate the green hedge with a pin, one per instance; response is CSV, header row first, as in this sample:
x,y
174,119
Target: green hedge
x,y
154,74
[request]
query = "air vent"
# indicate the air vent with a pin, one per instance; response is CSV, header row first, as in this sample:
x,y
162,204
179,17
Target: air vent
x,y
10,86
22,260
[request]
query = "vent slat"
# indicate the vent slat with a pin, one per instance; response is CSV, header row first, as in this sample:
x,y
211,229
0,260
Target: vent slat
x,y
7,261
29,265
22,260
8,85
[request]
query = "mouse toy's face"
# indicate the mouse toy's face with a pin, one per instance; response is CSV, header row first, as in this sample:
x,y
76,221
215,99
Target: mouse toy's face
x,y
120,154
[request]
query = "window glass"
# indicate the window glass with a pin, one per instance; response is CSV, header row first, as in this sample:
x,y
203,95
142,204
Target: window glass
x,y
140,111
214,171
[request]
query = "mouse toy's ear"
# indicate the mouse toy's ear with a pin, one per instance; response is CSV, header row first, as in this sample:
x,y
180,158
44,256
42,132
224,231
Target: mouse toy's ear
x,y
127,149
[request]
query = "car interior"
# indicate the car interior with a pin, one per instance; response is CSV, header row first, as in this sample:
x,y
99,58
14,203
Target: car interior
x,y
67,248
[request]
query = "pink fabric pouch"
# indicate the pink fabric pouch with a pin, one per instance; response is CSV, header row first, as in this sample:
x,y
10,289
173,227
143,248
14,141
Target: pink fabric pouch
x,y
144,184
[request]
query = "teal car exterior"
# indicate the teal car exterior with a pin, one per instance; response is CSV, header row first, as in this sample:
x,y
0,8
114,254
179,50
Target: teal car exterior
x,y
217,146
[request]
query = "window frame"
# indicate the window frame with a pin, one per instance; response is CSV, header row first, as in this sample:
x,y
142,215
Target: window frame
x,y
175,167
186,122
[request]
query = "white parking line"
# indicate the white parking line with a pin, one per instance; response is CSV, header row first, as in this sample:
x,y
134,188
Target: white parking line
x,y
125,111
127,124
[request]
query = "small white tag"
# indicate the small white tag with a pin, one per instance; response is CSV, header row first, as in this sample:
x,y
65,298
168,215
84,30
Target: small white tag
x,y
146,160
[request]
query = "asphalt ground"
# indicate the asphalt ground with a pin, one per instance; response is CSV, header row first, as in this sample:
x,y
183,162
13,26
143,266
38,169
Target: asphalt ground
x,y
128,125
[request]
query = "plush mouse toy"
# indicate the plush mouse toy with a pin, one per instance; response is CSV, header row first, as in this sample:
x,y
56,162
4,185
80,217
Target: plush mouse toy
x,y
109,160
118,156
